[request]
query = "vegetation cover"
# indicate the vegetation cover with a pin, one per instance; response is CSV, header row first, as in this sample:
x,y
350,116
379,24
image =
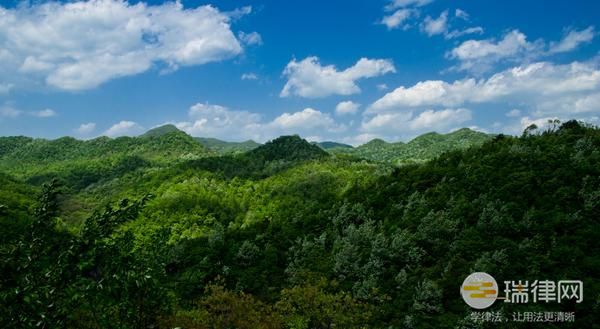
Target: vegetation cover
x,y
160,231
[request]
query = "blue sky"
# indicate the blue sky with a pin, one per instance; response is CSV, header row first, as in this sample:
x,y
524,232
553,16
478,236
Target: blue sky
x,y
328,70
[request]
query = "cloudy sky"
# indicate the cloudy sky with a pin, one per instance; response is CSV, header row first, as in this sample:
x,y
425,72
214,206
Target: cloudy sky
x,y
328,70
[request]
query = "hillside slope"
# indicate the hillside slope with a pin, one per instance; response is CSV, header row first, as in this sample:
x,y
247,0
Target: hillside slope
x,y
419,149
286,235
223,147
88,161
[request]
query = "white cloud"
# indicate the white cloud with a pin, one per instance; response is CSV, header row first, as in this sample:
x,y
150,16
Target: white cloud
x,y
533,84
513,113
306,119
589,103
385,122
459,13
425,93
124,128
572,40
346,107
394,4
308,78
86,128
46,113
481,54
250,39
249,76
220,122
438,120
403,125
382,87
435,26
511,44
80,45
403,17
360,139
459,33
398,18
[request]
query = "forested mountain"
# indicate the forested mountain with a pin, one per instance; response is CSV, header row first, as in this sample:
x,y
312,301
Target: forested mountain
x,y
421,148
223,147
213,144
330,145
290,236
161,130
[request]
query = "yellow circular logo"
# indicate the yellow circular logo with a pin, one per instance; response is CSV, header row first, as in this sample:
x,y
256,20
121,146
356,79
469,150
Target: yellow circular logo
x,y
479,290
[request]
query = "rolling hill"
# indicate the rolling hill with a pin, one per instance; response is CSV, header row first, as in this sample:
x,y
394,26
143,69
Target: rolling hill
x,y
419,149
288,234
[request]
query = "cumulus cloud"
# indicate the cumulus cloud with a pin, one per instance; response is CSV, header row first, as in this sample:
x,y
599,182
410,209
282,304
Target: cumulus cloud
x,y
306,119
481,54
439,120
218,121
46,113
346,107
80,45
308,78
534,84
434,26
403,125
86,128
124,128
572,40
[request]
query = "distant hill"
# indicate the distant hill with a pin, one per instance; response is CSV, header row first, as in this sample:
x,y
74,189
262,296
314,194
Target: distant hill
x,y
420,149
288,148
327,145
266,160
212,144
85,162
223,147
162,130
170,144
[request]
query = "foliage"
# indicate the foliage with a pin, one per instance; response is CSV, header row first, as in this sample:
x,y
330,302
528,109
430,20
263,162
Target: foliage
x,y
287,236
418,150
223,147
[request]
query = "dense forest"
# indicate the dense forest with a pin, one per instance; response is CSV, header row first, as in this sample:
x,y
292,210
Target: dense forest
x,y
169,231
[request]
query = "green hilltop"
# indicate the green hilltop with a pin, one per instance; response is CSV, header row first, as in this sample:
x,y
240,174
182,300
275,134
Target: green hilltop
x,y
223,147
328,145
419,149
161,130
